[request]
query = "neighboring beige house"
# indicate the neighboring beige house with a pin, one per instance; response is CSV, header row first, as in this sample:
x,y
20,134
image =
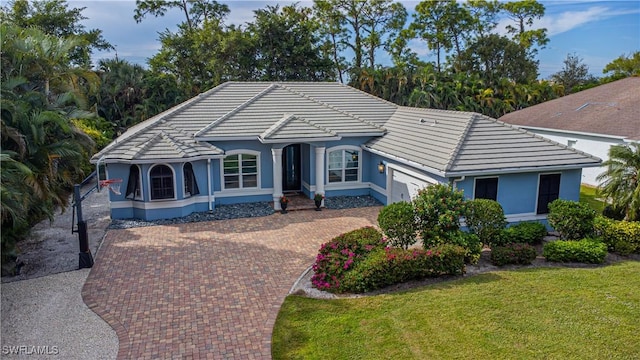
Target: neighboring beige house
x,y
591,120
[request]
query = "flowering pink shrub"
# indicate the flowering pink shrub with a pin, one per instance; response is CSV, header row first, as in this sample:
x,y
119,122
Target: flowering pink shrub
x,y
388,266
341,254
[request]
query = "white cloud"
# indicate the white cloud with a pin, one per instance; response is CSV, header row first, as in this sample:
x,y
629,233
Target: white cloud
x,y
564,21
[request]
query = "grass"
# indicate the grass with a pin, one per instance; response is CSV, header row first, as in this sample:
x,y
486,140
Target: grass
x,y
588,195
550,313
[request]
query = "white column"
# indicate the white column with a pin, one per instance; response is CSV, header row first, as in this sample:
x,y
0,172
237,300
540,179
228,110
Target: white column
x,y
320,170
277,177
209,185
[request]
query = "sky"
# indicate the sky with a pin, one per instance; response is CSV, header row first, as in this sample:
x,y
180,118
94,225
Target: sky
x,y
596,31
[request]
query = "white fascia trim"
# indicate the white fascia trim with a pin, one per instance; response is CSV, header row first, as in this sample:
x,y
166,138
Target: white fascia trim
x,y
243,192
158,204
224,138
560,131
158,161
413,173
405,161
299,140
520,170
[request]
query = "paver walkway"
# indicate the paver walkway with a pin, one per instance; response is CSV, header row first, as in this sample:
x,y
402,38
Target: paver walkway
x,y
208,290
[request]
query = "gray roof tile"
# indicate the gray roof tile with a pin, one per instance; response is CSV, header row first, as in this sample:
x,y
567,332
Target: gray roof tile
x,y
448,142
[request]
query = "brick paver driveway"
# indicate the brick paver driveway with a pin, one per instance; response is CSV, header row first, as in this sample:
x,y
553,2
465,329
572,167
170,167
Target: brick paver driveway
x,y
210,289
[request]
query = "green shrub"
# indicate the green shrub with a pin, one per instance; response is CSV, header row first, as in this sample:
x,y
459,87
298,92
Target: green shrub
x,y
341,254
470,243
622,237
530,233
388,266
588,251
398,223
438,210
518,254
485,218
573,220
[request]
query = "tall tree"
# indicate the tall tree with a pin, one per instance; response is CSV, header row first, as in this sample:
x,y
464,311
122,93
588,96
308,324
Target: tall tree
x,y
574,73
359,27
196,12
55,17
524,13
287,46
494,57
620,182
624,66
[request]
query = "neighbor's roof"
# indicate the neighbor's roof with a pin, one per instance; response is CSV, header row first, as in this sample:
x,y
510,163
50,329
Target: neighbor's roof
x,y
455,143
610,109
449,143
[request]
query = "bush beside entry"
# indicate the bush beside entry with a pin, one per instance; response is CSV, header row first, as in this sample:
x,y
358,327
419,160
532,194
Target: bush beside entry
x,y
573,220
398,223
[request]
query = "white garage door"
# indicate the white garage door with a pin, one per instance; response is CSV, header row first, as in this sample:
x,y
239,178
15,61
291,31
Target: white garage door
x,y
404,186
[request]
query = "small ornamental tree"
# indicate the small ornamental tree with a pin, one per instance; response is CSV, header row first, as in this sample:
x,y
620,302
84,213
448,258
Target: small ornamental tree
x,y
485,218
573,220
438,210
398,223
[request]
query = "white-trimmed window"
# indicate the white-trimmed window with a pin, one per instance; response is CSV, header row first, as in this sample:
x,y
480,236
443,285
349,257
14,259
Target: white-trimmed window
x,y
241,171
162,182
190,183
134,184
343,165
486,188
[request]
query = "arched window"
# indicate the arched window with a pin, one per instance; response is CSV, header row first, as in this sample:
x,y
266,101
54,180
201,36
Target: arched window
x,y
161,177
134,191
190,184
241,171
344,165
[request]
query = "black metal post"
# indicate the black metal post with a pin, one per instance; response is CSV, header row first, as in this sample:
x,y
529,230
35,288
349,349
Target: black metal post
x,y
85,257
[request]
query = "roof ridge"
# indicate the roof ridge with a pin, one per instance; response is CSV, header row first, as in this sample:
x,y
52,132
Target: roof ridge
x,y
287,119
176,143
461,139
145,145
546,139
329,106
235,110
277,125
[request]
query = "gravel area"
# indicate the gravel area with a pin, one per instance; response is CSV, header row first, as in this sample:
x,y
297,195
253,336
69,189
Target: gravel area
x,y
350,202
46,318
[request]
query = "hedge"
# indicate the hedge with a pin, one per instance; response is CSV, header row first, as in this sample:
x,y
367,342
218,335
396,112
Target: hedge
x,y
588,251
517,254
622,237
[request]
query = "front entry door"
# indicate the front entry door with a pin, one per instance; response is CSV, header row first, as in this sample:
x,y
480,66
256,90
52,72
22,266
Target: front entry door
x,y
291,174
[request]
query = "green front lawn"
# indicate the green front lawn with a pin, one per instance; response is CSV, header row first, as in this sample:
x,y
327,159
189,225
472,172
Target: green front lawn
x,y
550,313
588,195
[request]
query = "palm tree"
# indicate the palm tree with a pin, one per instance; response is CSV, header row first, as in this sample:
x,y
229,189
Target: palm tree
x,y
620,182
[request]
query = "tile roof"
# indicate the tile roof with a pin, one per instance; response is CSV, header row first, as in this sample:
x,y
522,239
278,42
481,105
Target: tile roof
x,y
454,143
449,143
291,127
609,109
